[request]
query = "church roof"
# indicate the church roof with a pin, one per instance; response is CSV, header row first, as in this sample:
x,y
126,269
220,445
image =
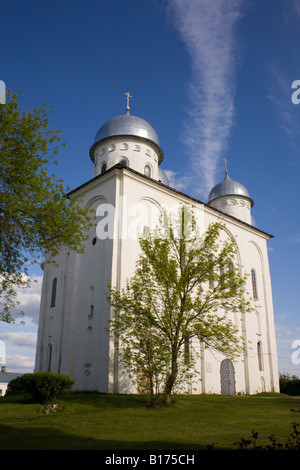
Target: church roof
x,y
127,125
228,187
6,377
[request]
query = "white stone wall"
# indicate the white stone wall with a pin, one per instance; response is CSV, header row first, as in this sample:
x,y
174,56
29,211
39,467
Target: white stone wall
x,y
81,346
140,155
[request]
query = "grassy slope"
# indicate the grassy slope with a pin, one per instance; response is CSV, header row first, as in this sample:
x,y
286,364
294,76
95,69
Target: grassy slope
x,y
92,421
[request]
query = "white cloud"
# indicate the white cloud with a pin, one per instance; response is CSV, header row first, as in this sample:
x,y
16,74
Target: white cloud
x,y
27,339
30,298
20,363
208,31
177,182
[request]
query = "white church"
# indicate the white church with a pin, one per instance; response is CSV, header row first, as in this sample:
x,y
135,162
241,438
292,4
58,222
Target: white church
x,y
126,194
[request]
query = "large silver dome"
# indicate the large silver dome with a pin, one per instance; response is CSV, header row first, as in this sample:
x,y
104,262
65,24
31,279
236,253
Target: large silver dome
x,y
228,187
127,125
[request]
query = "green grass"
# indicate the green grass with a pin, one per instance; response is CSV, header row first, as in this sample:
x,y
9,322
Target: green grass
x,y
91,421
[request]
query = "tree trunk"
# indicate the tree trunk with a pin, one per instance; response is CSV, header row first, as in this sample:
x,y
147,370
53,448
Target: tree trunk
x,y
171,378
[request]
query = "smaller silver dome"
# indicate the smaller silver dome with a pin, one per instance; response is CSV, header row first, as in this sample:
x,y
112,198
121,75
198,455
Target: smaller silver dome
x,y
162,177
228,187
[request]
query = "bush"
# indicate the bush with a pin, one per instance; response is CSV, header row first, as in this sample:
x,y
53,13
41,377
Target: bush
x,y
43,386
289,385
292,443
16,386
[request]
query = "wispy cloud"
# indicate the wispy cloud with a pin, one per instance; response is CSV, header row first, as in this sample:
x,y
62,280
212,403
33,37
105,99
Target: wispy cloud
x,y
27,339
29,299
208,30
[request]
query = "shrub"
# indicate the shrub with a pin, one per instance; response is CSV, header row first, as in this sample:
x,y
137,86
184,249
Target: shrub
x,y
43,386
292,443
16,386
289,384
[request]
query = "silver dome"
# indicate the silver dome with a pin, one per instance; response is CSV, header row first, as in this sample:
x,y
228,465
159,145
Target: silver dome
x,y
228,187
126,125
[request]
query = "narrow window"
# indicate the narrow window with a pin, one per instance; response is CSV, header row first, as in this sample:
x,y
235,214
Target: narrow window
x,y
88,344
260,356
124,162
146,231
187,351
91,301
254,284
147,171
222,272
211,268
103,167
53,293
49,357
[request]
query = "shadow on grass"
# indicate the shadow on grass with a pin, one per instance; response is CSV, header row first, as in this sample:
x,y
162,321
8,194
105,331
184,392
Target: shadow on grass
x,y
12,438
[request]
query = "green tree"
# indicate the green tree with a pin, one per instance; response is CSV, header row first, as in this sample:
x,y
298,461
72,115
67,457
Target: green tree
x,y
35,215
182,288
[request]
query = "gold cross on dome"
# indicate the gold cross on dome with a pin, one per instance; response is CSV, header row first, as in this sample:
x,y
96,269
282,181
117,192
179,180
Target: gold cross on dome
x,y
128,96
225,163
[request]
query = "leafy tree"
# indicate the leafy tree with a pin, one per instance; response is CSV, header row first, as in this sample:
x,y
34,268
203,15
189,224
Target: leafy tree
x,y
35,215
182,288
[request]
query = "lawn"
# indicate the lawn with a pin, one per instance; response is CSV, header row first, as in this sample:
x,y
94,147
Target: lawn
x,y
91,421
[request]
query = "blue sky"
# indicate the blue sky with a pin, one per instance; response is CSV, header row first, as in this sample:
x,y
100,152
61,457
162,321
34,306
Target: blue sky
x,y
214,79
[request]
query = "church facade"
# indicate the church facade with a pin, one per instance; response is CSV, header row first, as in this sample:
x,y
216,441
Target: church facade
x,y
126,195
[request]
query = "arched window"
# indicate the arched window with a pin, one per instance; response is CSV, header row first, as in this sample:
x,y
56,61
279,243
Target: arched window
x,y
88,343
103,167
124,162
49,357
211,279
260,356
147,171
254,284
53,293
91,301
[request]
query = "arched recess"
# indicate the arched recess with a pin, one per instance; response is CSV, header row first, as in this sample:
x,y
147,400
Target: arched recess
x,y
238,253
92,206
91,203
261,258
150,211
